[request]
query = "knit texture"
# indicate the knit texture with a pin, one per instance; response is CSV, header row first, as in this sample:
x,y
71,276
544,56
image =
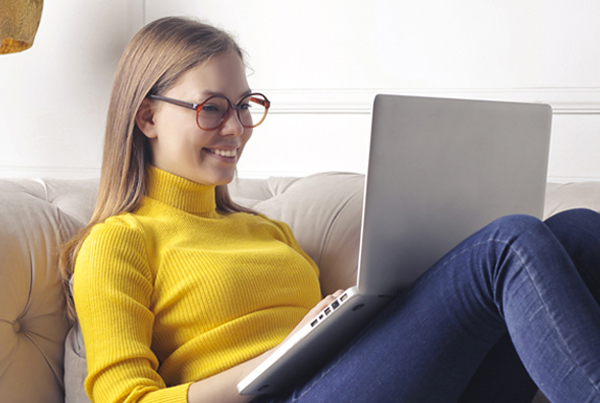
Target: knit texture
x,y
178,291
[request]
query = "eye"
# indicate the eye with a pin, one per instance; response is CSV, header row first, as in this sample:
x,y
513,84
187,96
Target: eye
x,y
210,108
244,106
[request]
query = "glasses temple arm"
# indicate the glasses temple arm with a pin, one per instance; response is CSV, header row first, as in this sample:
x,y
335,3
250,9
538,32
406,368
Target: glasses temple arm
x,y
188,105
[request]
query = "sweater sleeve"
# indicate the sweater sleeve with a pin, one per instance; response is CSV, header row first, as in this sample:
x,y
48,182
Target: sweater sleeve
x,y
112,289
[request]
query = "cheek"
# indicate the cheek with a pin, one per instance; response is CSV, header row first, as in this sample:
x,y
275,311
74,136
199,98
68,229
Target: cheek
x,y
245,137
174,145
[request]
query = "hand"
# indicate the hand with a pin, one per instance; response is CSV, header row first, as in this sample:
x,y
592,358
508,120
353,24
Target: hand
x,y
315,311
221,387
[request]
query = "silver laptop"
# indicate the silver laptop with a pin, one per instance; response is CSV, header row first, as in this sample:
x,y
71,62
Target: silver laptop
x,y
439,170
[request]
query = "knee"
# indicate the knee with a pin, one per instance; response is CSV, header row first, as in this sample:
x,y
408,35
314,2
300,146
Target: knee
x,y
515,226
518,222
578,216
573,222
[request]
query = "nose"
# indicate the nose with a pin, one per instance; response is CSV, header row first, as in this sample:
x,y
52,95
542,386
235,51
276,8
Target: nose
x,y
232,126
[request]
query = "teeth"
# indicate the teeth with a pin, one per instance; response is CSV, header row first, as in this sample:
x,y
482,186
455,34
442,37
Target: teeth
x,y
226,153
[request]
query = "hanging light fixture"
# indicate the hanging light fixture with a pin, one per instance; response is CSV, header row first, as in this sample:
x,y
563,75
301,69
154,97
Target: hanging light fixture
x,y
19,21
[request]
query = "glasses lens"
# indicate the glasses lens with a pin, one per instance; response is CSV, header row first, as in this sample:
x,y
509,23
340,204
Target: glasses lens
x,y
212,112
252,110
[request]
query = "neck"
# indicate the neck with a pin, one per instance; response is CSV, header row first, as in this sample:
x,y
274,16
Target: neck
x,y
179,192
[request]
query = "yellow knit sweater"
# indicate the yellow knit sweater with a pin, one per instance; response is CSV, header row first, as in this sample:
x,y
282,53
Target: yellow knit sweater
x,y
177,291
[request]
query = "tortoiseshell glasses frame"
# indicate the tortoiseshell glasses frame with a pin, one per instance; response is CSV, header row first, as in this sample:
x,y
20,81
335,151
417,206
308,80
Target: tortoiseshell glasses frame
x,y
212,113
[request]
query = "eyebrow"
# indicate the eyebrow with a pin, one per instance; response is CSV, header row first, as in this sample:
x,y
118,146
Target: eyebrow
x,y
211,93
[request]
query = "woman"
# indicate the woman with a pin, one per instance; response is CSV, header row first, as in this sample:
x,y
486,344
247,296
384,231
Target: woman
x,y
180,292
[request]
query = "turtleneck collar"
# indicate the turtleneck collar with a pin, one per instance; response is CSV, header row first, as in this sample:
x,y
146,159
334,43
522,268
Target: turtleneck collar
x,y
179,192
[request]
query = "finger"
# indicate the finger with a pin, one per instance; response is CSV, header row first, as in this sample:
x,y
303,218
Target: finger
x,y
328,300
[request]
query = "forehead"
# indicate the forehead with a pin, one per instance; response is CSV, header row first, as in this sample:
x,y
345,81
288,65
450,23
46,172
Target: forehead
x,y
222,74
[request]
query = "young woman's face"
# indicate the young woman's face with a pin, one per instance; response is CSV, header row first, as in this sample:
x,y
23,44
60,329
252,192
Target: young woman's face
x,y
178,145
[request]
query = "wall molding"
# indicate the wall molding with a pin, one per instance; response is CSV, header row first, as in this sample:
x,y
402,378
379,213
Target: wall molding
x,y
564,101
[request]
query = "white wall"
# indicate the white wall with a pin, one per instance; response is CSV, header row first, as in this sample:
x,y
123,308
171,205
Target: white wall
x,y
320,62
54,96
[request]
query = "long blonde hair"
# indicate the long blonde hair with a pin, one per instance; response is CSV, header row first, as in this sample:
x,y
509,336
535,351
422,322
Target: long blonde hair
x,y
152,62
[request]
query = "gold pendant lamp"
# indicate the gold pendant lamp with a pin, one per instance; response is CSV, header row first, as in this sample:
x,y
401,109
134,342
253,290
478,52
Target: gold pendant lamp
x,y
19,21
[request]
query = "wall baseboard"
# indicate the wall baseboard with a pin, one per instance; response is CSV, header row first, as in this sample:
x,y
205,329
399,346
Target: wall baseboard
x,y
29,172
45,172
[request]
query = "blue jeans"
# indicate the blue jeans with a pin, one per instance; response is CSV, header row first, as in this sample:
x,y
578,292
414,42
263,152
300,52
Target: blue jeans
x,y
449,338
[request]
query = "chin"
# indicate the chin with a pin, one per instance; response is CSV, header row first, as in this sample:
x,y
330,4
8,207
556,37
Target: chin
x,y
217,181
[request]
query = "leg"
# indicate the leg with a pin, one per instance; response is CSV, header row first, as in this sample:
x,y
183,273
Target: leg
x,y
426,346
552,318
501,377
579,233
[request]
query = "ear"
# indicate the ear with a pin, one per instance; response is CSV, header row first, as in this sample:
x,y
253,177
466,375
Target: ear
x,y
144,118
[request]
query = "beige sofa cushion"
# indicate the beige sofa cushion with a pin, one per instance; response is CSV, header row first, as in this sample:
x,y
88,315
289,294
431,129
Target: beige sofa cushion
x,y
560,197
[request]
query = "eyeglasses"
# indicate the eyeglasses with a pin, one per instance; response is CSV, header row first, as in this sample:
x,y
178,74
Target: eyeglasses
x,y
214,111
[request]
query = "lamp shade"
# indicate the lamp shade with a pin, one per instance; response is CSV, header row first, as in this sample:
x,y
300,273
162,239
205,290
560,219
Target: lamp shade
x,y
19,21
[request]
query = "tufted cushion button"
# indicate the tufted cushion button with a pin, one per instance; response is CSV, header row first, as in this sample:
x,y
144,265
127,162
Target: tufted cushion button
x,y
16,326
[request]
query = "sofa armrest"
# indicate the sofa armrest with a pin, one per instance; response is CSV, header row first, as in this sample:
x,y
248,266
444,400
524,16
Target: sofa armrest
x,y
33,323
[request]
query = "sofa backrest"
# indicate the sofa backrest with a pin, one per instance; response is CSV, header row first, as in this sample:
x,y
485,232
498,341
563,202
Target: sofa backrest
x,y
36,216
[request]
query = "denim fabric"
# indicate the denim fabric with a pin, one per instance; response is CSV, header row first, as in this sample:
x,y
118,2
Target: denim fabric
x,y
450,336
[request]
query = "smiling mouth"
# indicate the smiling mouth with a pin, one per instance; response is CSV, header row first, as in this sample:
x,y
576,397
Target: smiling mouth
x,y
223,153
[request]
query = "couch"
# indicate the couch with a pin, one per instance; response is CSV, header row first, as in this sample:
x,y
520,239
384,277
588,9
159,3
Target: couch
x,y
37,215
